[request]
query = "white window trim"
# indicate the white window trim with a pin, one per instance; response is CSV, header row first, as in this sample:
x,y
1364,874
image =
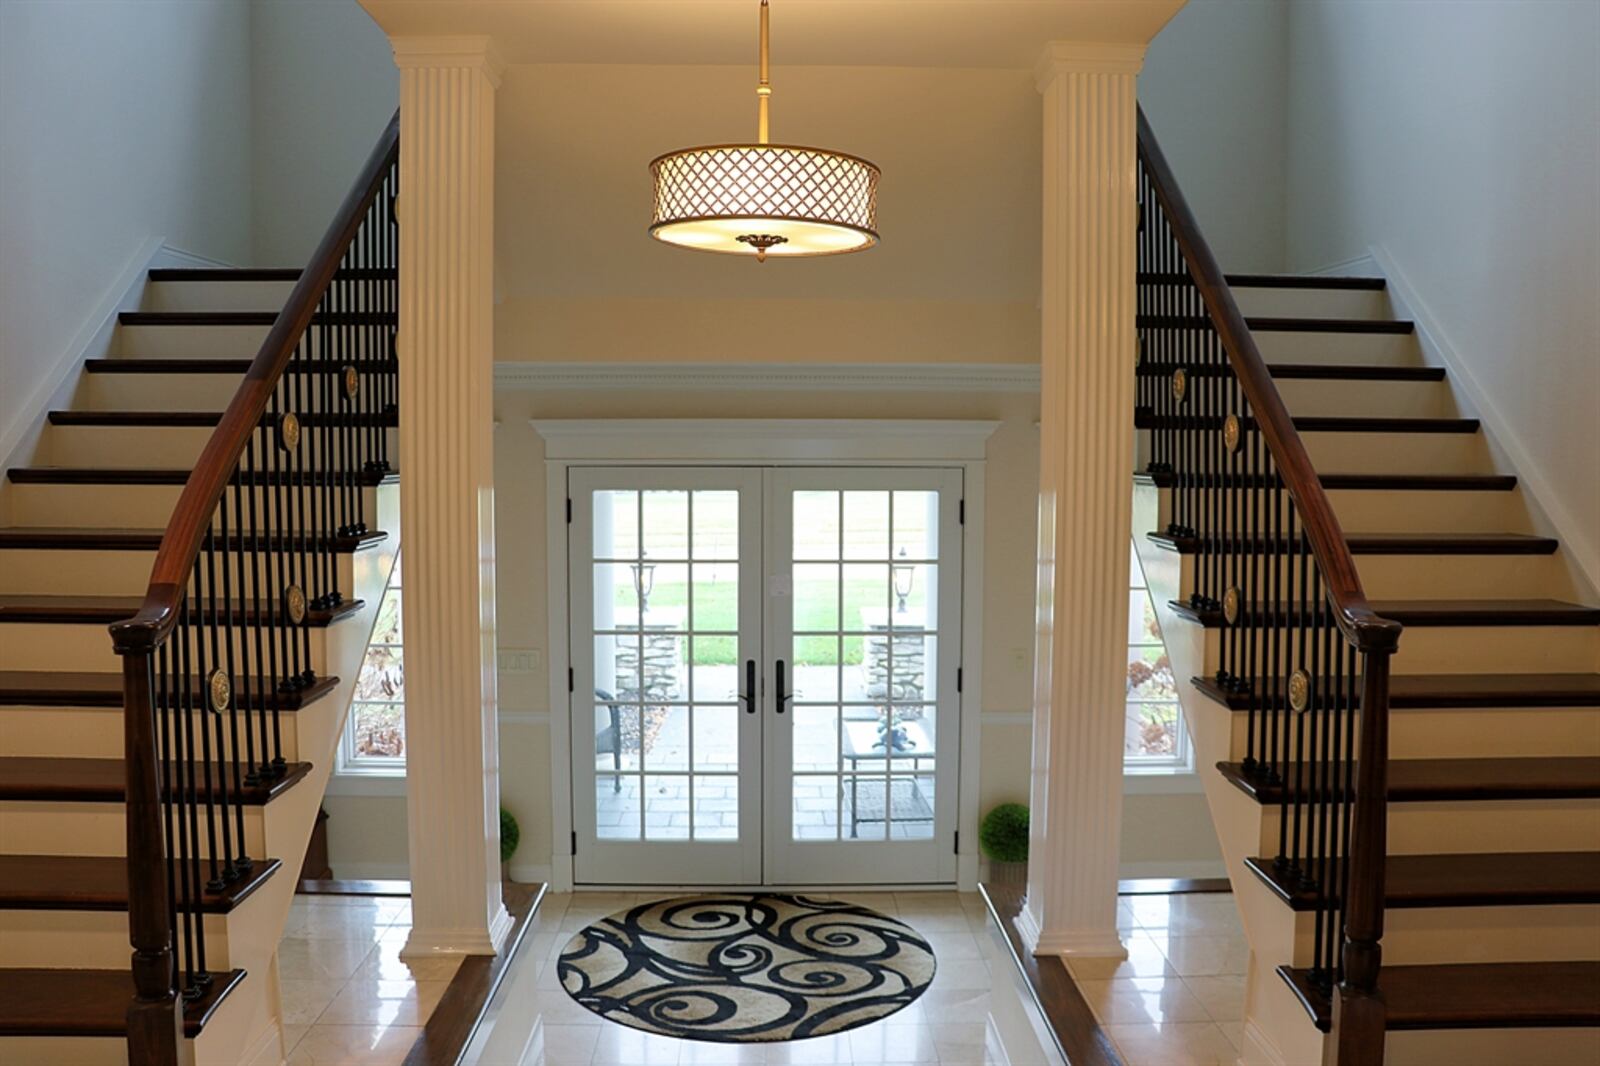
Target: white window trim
x,y
774,442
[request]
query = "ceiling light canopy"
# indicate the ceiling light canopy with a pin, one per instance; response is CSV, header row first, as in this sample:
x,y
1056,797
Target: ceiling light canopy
x,y
765,199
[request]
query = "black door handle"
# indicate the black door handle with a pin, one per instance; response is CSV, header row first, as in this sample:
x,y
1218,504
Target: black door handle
x,y
749,696
779,697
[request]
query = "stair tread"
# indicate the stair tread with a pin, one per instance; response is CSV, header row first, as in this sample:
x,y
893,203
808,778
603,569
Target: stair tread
x,y
1462,880
1426,780
100,883
205,419
1283,323
1313,371
1145,418
89,610
50,688
1389,543
212,366
76,780
253,273
246,318
108,475
89,538
1274,281
1455,690
1380,482
1490,995
1531,612
39,1002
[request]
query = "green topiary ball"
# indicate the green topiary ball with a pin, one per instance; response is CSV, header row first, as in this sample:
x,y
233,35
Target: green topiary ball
x,y
510,835
1003,834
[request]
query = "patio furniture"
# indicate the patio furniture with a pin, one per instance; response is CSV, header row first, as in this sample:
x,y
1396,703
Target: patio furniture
x,y
904,801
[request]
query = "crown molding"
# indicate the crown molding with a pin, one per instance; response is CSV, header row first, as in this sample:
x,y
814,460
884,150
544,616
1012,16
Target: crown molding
x,y
762,440
473,52
813,377
1087,57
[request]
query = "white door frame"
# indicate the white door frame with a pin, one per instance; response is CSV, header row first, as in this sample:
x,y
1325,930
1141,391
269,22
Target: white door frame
x,y
779,442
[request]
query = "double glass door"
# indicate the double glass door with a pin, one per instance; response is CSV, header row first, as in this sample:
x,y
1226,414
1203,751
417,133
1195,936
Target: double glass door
x,y
764,674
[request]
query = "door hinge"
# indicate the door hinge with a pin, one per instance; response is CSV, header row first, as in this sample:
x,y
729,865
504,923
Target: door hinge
x,y
574,842
572,680
958,842
569,510
958,679
961,512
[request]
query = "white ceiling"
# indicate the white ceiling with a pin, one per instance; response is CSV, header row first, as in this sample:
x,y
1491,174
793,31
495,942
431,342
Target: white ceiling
x,y
906,33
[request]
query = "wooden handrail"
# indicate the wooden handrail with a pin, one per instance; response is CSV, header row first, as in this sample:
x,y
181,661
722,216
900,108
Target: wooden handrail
x,y
1361,625
192,517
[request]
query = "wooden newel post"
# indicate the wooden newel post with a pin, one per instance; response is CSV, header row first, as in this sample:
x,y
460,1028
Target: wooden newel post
x,y
1359,1012
154,1020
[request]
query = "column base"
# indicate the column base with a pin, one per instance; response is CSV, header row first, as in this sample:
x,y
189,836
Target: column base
x,y
423,943
1082,943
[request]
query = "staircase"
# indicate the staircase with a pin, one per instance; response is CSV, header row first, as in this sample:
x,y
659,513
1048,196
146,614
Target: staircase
x,y
1444,801
219,495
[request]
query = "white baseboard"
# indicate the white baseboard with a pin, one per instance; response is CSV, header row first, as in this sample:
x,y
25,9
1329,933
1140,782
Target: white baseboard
x,y
1259,1050
1439,350
371,871
91,341
531,873
1361,266
177,258
267,1049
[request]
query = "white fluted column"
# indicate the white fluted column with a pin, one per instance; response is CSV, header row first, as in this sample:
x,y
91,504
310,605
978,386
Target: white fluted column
x,y
1085,497
446,345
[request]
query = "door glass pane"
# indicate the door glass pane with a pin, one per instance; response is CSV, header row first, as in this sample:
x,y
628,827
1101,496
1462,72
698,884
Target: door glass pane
x,y
816,525
716,808
866,596
616,805
816,597
716,738
815,810
716,524
616,524
916,525
615,595
916,595
864,806
816,669
816,739
665,514
666,806
715,597
912,806
866,525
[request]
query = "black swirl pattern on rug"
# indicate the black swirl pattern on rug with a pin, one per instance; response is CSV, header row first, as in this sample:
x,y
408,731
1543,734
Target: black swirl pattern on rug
x,y
746,968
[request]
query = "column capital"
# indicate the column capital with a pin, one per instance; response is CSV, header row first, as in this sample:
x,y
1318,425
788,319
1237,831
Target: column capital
x,y
453,51
1087,57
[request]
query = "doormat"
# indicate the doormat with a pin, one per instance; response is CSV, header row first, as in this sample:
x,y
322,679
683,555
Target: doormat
x,y
740,968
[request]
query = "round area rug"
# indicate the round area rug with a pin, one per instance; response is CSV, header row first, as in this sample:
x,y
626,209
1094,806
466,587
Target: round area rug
x,y
746,968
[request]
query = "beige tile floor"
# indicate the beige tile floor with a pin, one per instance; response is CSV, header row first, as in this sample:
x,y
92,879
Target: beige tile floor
x,y
1175,1001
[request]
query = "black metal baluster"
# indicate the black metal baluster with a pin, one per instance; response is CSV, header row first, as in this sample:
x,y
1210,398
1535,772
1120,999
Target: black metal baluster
x,y
240,855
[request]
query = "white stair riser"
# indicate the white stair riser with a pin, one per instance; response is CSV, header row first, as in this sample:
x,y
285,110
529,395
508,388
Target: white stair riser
x,y
96,732
43,646
1422,936
1372,399
115,506
1344,349
43,571
1313,303
94,829
1478,826
1486,650
155,392
217,342
1430,577
1401,511
1455,733
86,939
216,295
142,447
1398,453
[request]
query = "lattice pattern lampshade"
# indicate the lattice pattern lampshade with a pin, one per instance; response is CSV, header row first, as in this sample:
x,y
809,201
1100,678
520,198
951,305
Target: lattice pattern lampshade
x,y
765,199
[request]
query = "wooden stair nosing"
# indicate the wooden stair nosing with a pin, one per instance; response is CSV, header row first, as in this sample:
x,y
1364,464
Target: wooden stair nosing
x,y
101,475
1424,613
1145,418
1440,780
75,780
88,538
95,610
221,366
1274,281
100,883
1456,880
1491,995
250,318
1348,482
1412,691
1309,371
36,688
42,1002
1283,324
1382,544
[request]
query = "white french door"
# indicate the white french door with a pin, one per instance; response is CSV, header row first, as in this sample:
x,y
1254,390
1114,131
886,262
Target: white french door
x,y
764,666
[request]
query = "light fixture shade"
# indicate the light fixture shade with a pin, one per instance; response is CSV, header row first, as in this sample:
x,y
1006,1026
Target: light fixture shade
x,y
765,199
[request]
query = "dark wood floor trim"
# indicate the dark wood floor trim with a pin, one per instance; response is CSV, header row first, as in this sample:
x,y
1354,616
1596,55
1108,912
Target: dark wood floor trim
x,y
1172,886
1078,1035
454,1020
308,887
